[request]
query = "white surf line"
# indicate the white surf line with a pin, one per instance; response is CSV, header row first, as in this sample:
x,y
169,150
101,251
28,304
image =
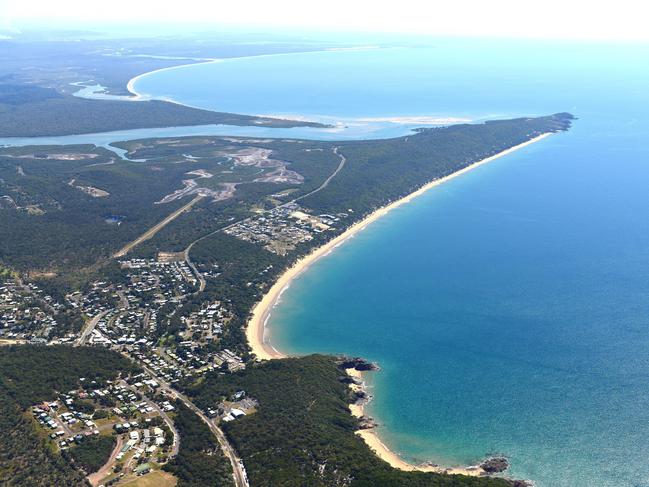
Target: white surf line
x,y
130,86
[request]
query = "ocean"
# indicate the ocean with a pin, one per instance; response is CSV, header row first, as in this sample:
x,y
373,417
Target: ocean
x,y
508,309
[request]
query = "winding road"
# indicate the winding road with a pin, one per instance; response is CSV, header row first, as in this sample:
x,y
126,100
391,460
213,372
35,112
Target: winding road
x,y
238,470
325,183
103,472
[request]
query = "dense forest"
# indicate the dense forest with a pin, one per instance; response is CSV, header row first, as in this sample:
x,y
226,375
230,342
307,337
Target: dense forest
x,y
28,111
380,171
31,374
303,433
200,460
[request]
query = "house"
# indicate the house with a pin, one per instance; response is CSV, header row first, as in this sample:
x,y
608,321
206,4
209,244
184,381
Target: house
x,y
237,413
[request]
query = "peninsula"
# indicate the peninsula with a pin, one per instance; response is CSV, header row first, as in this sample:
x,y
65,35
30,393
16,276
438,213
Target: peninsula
x,y
172,259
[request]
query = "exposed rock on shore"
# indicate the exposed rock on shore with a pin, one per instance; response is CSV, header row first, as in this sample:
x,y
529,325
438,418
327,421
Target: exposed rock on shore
x,y
495,465
366,423
357,363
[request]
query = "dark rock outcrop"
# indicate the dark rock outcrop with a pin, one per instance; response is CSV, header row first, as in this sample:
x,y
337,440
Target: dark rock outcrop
x,y
357,363
366,423
495,465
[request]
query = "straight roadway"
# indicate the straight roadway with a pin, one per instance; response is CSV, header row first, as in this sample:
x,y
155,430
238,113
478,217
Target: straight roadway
x,y
89,326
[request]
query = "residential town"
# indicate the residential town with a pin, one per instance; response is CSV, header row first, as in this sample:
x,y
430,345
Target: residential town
x,y
149,311
132,412
27,313
283,228
129,316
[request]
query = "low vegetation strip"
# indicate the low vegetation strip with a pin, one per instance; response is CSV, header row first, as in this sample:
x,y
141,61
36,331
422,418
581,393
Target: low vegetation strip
x,y
44,112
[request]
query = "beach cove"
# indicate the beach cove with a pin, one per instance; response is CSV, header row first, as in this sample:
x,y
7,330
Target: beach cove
x,y
260,342
256,329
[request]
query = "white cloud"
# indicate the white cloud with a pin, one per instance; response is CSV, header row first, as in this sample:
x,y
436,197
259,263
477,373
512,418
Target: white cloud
x,y
622,19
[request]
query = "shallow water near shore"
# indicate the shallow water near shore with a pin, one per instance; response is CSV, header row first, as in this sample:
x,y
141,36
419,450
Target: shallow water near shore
x,y
509,307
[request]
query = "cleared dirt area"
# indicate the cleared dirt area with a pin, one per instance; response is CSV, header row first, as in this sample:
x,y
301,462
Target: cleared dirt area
x,y
155,229
261,158
90,190
192,188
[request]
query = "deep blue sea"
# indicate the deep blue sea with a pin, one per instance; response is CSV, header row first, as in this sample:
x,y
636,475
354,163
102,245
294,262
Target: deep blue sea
x,y
509,308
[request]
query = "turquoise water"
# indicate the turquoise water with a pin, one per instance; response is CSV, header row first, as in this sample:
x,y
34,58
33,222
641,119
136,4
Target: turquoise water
x,y
508,308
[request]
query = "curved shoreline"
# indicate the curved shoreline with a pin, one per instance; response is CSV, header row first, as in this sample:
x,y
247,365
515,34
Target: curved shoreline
x,y
130,86
325,119
259,340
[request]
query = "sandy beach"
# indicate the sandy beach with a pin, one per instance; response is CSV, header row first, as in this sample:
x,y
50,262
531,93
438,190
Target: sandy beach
x,y
130,86
262,348
256,329
417,120
372,439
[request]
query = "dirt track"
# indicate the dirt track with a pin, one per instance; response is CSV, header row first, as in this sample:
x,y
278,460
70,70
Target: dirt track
x,y
155,229
103,472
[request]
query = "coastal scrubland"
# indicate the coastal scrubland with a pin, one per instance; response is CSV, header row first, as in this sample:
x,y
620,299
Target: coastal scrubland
x,y
38,77
35,111
84,203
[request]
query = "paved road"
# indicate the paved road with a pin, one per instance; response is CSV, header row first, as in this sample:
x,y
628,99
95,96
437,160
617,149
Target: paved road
x,y
176,441
326,182
123,300
199,276
103,472
240,476
87,330
239,471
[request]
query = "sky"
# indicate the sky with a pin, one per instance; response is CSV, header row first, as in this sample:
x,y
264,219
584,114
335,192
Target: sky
x,y
624,20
